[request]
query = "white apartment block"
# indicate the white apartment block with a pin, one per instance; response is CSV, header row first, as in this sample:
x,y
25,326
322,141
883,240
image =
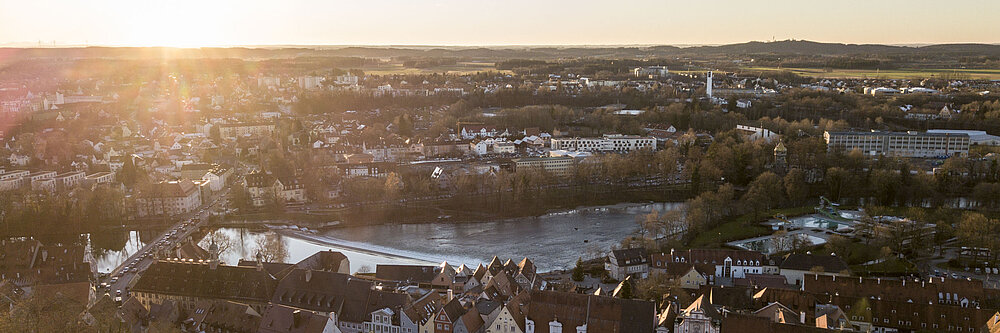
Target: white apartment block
x,y
169,198
559,166
12,180
902,144
243,129
70,179
608,143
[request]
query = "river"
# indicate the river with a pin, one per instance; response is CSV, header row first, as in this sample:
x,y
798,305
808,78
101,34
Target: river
x,y
552,241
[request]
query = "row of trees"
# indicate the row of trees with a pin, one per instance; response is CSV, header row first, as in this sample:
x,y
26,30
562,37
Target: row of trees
x,y
79,211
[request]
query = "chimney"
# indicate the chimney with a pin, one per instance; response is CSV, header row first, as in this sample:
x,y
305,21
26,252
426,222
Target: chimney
x,y
451,294
296,318
309,275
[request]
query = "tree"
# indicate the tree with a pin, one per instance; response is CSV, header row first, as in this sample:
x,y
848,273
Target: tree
x,y
836,179
393,185
221,239
764,193
578,270
271,248
240,198
795,186
884,185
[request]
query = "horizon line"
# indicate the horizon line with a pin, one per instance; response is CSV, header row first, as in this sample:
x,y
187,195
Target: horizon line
x,y
39,45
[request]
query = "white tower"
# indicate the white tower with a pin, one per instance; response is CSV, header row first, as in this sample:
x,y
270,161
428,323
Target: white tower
x,y
708,85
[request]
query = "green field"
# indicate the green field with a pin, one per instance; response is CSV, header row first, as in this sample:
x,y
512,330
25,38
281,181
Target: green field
x,y
906,73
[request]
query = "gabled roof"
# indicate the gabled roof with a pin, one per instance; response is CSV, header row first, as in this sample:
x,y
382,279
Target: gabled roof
x,y
406,273
281,318
702,305
245,284
806,262
230,317
454,310
472,320
599,313
424,307
629,257
353,299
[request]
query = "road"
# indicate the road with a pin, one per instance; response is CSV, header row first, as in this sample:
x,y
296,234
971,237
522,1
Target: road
x,y
936,267
120,278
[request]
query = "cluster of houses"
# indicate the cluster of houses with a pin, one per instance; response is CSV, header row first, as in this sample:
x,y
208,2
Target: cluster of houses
x,y
30,268
318,294
720,290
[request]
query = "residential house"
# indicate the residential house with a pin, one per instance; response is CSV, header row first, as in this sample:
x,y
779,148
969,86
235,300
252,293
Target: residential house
x,y
796,265
510,319
447,316
628,262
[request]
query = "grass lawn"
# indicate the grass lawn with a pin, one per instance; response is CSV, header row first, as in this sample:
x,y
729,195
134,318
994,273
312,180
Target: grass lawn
x,y
903,73
743,227
891,267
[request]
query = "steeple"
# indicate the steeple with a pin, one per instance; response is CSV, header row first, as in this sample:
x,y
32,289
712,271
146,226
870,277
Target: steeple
x,y
213,255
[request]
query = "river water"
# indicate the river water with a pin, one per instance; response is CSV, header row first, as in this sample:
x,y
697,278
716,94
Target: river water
x,y
552,241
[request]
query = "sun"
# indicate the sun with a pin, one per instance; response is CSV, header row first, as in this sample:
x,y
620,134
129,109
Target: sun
x,y
157,24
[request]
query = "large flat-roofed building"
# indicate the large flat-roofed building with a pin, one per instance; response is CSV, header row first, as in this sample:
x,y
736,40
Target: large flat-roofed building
x,y
559,166
902,144
243,129
168,198
12,180
608,143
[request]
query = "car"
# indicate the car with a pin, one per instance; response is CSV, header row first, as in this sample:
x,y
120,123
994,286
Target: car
x,y
954,276
118,299
118,292
114,279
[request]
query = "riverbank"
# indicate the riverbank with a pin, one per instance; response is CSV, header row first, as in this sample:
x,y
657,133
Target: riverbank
x,y
475,208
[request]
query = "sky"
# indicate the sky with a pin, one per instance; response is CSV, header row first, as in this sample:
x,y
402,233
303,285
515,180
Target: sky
x,y
193,23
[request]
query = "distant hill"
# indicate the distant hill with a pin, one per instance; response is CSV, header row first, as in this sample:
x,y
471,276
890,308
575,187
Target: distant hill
x,y
790,47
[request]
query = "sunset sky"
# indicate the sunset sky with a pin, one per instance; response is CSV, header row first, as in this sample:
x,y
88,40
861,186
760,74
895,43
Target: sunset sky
x,y
493,22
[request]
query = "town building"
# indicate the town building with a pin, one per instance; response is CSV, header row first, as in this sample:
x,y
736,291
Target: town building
x,y
232,131
69,180
900,144
617,143
797,265
189,283
724,263
14,179
168,198
558,166
561,312
102,177
628,262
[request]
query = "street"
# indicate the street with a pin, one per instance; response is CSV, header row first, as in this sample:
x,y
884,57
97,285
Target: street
x,y
121,278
